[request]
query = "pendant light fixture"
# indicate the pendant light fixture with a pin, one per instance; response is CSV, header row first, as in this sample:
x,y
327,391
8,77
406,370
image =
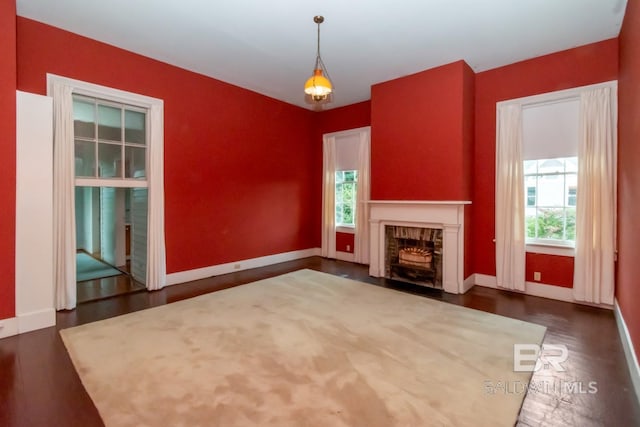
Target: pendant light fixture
x,y
318,88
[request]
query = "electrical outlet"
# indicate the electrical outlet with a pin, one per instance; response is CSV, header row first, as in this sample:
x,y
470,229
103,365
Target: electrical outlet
x,y
236,266
537,276
348,248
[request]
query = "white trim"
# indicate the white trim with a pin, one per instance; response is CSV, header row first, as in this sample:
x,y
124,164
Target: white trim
x,y
445,215
537,248
231,267
346,229
36,320
8,327
98,91
468,283
113,182
535,289
345,256
629,352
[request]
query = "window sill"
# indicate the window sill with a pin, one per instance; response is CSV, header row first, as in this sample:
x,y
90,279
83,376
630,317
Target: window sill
x,y
550,249
345,229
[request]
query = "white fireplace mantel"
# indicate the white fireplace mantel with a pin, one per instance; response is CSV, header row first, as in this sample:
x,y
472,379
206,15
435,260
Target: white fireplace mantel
x,y
446,215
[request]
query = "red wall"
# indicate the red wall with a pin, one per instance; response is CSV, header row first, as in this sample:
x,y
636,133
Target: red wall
x,y
581,66
420,137
8,154
344,118
628,285
343,240
239,167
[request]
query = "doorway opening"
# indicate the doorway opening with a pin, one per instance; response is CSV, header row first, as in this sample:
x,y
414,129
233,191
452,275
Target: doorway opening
x,y
111,241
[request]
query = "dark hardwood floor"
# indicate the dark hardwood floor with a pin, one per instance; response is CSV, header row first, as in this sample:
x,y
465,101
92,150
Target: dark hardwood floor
x,y
108,287
39,385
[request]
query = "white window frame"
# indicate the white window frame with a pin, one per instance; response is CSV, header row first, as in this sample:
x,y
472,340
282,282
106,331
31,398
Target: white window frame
x,y
117,181
117,96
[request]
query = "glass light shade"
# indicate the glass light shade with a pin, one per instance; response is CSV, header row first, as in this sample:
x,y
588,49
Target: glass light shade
x,y
318,85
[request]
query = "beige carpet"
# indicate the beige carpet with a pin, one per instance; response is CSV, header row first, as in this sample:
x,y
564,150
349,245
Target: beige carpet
x,y
302,349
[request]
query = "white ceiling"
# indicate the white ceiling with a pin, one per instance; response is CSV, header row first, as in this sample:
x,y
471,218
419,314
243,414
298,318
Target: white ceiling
x,y
268,46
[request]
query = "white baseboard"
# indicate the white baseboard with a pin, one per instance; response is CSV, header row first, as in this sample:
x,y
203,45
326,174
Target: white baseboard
x,y
230,267
8,327
345,256
629,352
468,283
535,289
28,322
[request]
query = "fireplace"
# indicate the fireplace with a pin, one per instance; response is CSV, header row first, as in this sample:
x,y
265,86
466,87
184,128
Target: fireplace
x,y
414,255
435,258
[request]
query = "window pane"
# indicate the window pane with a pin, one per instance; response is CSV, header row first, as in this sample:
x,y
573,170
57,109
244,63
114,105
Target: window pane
x,y
338,193
530,166
347,215
530,221
85,154
551,224
571,164
135,161
551,166
349,175
110,156
551,190
347,193
571,224
134,126
83,119
338,213
339,177
109,123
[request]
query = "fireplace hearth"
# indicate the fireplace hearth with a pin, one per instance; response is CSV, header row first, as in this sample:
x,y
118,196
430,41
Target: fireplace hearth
x,y
414,255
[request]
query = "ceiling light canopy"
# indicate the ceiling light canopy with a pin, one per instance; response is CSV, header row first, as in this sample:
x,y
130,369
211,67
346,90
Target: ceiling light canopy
x,y
318,88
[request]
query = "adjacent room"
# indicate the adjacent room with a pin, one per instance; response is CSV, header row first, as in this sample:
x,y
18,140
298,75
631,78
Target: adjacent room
x,y
337,214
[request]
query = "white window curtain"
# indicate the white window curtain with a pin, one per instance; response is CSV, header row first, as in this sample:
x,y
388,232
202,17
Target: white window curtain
x,y
361,241
64,230
510,237
156,256
593,279
328,197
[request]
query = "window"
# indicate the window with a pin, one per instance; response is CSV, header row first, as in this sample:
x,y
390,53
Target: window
x,y
346,183
107,136
551,191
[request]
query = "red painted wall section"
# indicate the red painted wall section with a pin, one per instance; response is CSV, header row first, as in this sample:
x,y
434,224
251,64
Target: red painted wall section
x,y
593,63
343,240
554,269
468,141
239,167
344,118
8,154
417,150
628,267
